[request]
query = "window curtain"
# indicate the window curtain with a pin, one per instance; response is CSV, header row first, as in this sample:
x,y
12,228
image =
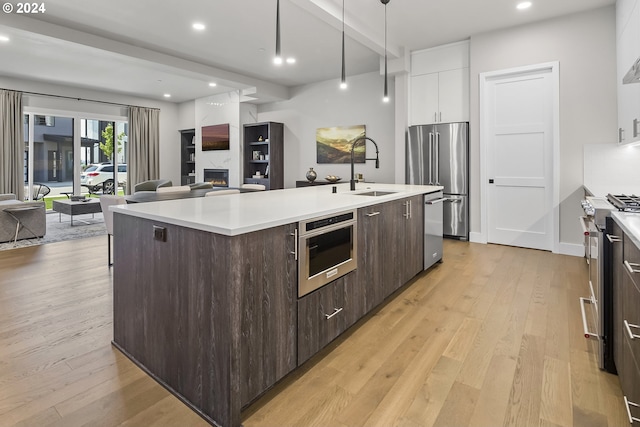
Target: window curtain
x,y
143,157
11,143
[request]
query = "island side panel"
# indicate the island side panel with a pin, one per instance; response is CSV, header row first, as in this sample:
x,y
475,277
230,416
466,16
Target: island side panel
x,y
266,267
173,312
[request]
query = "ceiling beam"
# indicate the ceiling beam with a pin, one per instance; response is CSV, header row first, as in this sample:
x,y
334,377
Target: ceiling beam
x,y
331,12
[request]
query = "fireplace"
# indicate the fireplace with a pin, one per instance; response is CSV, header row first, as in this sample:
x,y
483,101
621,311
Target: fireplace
x,y
217,177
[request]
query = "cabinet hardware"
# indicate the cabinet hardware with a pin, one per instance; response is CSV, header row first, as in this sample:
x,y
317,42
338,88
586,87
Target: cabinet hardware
x,y
631,266
410,210
406,209
627,405
373,214
435,116
587,334
440,118
335,311
612,239
628,327
295,250
620,134
635,128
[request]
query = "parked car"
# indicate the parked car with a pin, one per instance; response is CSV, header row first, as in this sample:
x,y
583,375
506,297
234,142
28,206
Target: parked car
x,y
100,177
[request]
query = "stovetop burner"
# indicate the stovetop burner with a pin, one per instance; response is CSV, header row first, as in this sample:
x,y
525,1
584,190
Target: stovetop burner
x,y
624,202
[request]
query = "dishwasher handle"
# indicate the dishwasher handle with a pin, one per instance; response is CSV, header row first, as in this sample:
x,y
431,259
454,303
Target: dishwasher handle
x,y
436,201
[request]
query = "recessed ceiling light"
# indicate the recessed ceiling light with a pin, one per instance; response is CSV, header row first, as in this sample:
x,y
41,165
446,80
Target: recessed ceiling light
x,y
277,60
167,95
4,39
524,5
198,26
291,60
212,84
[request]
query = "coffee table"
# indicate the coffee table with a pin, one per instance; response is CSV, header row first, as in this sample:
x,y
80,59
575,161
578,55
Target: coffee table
x,y
71,208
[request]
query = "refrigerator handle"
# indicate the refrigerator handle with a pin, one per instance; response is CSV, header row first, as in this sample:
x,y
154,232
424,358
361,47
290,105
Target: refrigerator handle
x,y
430,158
436,159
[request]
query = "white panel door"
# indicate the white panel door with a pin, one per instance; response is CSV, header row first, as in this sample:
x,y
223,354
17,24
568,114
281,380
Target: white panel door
x,y
519,138
424,99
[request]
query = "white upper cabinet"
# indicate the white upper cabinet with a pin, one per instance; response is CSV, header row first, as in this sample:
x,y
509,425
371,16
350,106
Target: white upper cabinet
x,y
628,53
439,85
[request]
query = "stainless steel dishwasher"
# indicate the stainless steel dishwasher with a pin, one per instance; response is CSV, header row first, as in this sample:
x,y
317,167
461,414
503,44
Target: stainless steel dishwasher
x,y
433,225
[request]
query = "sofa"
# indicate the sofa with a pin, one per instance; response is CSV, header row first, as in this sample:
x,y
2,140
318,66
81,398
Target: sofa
x,y
35,220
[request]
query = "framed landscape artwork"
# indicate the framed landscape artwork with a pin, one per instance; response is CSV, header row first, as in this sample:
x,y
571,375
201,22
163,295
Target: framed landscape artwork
x,y
333,145
215,137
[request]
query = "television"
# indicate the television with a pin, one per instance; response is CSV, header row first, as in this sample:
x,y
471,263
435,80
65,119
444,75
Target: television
x,y
215,137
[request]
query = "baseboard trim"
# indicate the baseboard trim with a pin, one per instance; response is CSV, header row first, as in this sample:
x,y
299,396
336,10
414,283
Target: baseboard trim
x,y
571,249
475,237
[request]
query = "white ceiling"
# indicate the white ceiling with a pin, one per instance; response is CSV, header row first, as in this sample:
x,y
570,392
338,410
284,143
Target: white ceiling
x,y
148,48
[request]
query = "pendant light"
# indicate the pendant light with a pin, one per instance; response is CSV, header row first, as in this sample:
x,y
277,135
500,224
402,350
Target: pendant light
x,y
385,96
343,80
278,58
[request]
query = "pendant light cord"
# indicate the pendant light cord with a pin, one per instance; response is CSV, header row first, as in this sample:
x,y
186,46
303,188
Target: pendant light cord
x,y
343,79
386,90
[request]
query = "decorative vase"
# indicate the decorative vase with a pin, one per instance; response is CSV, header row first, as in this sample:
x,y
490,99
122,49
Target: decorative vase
x,y
311,175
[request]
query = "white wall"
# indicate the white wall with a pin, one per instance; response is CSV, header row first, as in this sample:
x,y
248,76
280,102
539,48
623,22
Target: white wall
x,y
584,45
324,104
169,137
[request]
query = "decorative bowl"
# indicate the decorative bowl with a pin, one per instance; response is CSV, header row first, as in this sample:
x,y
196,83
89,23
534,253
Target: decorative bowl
x,y
332,178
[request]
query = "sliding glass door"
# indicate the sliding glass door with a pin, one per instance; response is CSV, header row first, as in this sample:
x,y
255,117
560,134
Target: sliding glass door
x,y
59,149
48,154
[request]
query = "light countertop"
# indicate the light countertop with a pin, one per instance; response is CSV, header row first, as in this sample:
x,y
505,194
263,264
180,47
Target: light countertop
x,y
235,214
601,190
630,224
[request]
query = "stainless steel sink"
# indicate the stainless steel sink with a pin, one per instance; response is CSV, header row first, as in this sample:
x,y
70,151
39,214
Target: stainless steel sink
x,y
375,193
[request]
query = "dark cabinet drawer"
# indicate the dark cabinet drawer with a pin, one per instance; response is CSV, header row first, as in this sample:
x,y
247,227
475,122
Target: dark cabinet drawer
x,y
631,318
630,380
632,260
322,316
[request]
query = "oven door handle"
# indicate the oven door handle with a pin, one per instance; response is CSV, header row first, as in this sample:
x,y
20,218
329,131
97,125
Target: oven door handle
x,y
583,223
587,334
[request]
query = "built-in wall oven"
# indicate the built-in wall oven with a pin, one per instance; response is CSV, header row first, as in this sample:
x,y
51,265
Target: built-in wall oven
x,y
327,250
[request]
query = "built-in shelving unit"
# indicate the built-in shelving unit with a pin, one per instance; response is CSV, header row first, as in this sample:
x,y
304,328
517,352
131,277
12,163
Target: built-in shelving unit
x,y
264,154
187,156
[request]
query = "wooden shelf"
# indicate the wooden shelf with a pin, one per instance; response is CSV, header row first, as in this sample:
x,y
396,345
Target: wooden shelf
x,y
273,148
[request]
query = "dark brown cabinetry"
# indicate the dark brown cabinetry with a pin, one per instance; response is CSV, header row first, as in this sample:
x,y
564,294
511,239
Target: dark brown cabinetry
x,y
212,317
390,248
370,254
626,317
403,239
264,154
187,156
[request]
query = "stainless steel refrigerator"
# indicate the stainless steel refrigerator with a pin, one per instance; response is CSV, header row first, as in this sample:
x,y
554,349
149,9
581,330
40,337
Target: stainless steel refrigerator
x,y
439,155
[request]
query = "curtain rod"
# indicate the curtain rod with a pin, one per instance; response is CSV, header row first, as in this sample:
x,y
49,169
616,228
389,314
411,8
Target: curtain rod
x,y
79,99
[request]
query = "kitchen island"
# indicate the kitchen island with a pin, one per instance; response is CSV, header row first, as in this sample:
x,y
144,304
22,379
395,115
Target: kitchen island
x,y
205,289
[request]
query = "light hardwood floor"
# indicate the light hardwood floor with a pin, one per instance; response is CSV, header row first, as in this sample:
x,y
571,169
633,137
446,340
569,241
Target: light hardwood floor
x,y
490,337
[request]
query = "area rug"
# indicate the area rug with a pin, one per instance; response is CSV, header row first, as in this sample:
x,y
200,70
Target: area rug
x,y
59,228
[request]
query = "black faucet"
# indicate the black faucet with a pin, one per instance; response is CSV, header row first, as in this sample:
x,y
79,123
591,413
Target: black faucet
x,y
364,138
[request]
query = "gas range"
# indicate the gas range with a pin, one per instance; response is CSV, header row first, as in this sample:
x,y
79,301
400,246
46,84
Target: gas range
x,y
625,203
597,209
